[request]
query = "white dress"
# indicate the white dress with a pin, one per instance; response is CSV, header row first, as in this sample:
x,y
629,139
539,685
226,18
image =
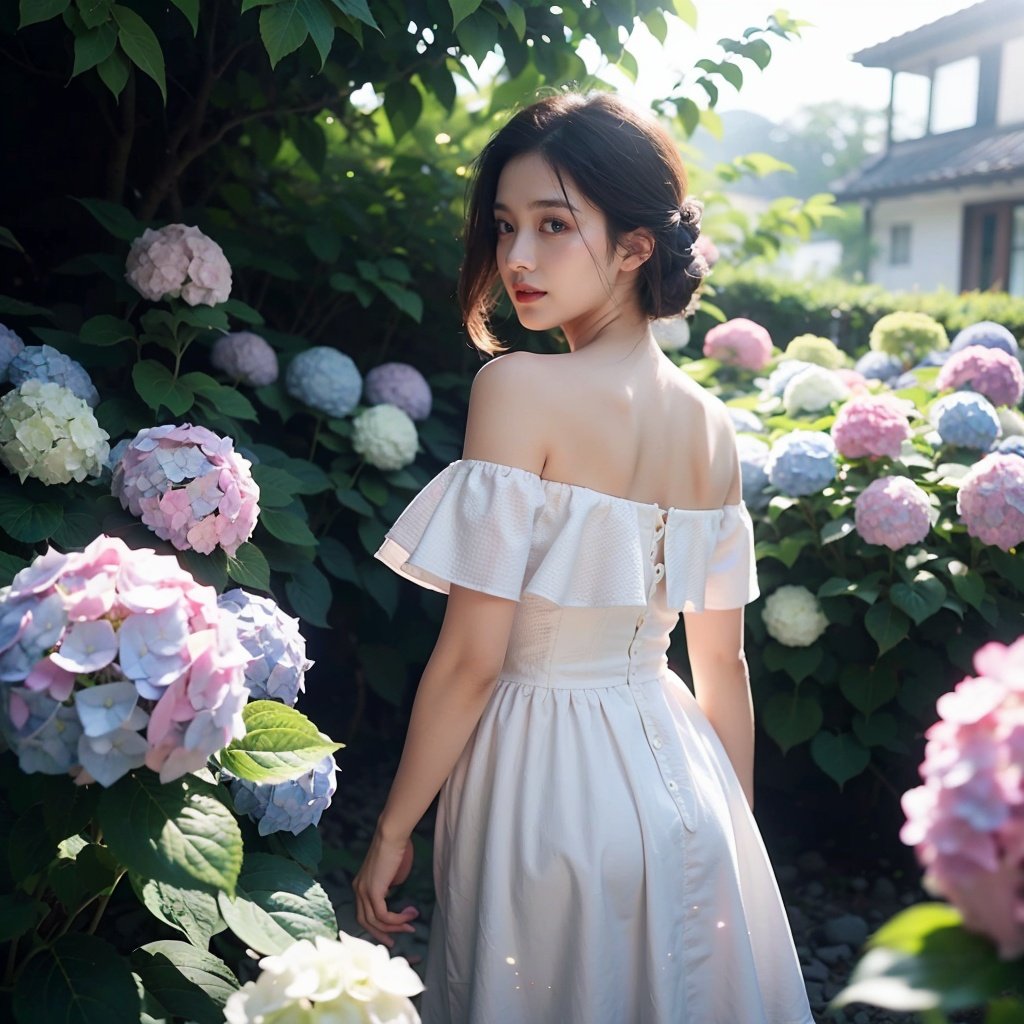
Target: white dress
x,y
595,859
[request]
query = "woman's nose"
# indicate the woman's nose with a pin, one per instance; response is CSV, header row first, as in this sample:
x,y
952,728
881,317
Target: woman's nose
x,y
520,253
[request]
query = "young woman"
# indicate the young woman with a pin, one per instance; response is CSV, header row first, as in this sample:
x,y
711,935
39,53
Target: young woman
x,y
596,858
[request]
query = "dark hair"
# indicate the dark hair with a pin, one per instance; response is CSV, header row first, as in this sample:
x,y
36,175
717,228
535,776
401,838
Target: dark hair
x,y
625,164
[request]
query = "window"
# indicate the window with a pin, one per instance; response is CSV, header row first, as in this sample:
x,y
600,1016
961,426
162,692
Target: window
x,y
909,105
955,95
993,253
899,245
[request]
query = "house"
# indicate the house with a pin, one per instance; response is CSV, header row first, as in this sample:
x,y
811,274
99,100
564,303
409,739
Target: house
x,y
944,202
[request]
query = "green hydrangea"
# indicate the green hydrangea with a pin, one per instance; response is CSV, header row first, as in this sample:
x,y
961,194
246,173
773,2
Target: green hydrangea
x,y
908,336
385,436
810,348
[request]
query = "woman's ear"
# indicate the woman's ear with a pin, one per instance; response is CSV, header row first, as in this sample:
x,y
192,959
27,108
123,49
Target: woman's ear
x,y
636,248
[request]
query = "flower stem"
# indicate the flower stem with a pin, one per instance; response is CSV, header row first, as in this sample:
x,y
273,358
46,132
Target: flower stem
x,y
101,906
316,438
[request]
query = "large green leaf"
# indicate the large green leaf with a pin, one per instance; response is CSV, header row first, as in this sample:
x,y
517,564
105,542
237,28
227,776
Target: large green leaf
x,y
191,912
286,526
791,719
190,8
280,743
358,9
105,330
403,104
226,400
94,46
462,9
28,521
886,624
920,599
178,832
840,756
189,983
116,219
157,386
249,567
282,29
141,45
276,904
34,11
277,486
80,979
320,25
309,592
868,687
19,913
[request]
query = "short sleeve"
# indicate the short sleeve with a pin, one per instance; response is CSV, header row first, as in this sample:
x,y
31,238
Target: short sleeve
x,y
471,525
732,568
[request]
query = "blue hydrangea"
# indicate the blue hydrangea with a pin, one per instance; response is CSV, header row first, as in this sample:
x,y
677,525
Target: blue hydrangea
x,y
1012,445
45,363
287,806
326,380
278,667
783,374
878,366
10,346
116,452
30,626
753,453
934,358
744,421
988,334
802,462
47,740
965,419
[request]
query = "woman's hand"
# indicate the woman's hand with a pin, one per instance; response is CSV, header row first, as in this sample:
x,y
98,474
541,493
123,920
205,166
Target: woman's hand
x,y
387,863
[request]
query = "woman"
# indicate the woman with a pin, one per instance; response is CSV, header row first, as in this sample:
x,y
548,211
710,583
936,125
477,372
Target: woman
x,y
596,858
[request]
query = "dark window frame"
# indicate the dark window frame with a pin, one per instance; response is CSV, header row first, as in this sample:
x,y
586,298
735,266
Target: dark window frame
x,y
901,238
1000,216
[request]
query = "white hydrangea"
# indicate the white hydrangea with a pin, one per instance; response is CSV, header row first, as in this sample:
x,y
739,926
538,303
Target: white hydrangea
x,y
793,616
385,436
328,981
671,333
49,433
812,390
1010,421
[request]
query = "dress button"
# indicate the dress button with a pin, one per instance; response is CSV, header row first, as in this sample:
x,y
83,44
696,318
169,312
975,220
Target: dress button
x,y
672,785
656,743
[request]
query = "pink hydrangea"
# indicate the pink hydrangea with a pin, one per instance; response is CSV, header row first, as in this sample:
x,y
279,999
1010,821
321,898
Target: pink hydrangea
x,y
739,342
189,486
707,248
991,500
854,380
115,658
892,511
990,371
966,822
245,357
178,260
871,426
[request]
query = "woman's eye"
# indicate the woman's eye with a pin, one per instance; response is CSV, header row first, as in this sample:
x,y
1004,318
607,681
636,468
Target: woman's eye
x,y
502,227
555,226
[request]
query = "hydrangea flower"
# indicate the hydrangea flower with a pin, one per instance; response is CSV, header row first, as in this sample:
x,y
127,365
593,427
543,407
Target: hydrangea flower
x,y
753,455
986,334
802,462
783,374
965,419
793,616
707,248
871,426
744,421
671,332
350,981
893,512
810,348
399,384
279,664
189,486
879,366
10,346
48,433
45,363
908,335
112,658
290,806
245,357
739,342
1012,445
326,380
385,436
990,500
856,383
813,390
966,822
1010,421
178,260
989,371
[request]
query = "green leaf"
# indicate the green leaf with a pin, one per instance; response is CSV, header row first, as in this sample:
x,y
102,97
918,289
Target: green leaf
x,y
868,687
310,595
35,11
358,9
306,848
114,72
286,526
277,904
462,9
94,46
226,400
839,586
320,26
686,11
403,105
80,979
759,52
105,330
886,624
338,560
91,872
190,8
277,486
242,311
517,19
10,565
29,521
282,29
249,568
178,832
189,983
920,599
19,913
193,913
324,242
141,45
1005,1011
114,218
840,756
408,302
879,730
791,719
968,584
157,386
478,35
279,744
836,530
29,847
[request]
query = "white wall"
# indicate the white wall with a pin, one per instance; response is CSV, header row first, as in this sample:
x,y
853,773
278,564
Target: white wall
x,y
1011,83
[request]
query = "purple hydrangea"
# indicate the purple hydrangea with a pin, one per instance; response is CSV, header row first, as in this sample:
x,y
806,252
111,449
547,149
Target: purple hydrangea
x,y
965,419
245,357
10,346
893,512
46,364
989,371
287,806
744,421
402,385
802,462
871,426
279,664
326,380
1012,445
991,500
44,732
783,374
987,334
189,486
753,455
879,366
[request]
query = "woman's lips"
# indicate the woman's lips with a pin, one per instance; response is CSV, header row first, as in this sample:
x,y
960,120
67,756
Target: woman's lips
x,y
528,294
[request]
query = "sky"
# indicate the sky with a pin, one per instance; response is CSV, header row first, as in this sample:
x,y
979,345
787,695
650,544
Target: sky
x,y
815,67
